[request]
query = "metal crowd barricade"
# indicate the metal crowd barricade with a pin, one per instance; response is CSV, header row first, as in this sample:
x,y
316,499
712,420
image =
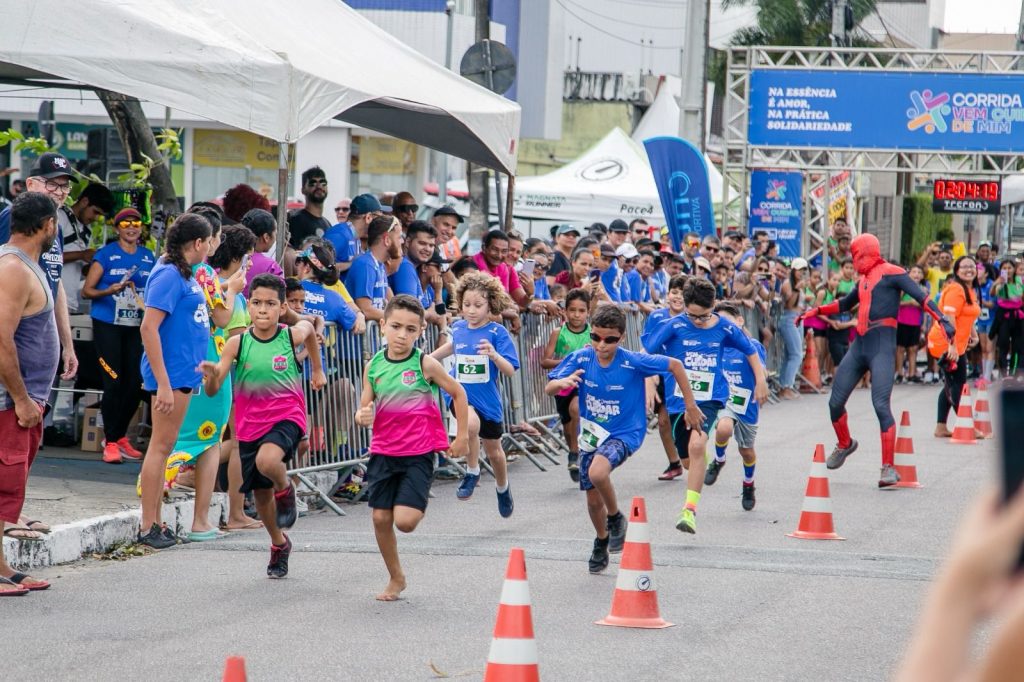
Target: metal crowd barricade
x,y
775,349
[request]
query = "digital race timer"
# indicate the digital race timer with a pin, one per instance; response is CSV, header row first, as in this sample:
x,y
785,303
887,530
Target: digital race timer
x,y
966,196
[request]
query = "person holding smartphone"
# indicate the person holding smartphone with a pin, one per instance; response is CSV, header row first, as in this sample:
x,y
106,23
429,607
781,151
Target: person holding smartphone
x,y
115,284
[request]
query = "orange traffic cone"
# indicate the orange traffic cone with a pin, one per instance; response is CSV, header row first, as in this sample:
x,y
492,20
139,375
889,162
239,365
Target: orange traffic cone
x,y
963,428
234,669
982,420
810,371
816,513
635,601
513,654
905,466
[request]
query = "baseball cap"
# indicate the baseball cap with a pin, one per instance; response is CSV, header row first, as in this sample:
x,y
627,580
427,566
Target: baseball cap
x,y
627,251
702,262
985,243
365,203
798,263
618,225
566,229
448,210
607,250
50,165
436,258
733,234
127,214
598,227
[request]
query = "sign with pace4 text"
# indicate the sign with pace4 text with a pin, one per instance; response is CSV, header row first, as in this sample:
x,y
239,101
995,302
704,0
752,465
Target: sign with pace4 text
x,y
872,110
681,175
775,208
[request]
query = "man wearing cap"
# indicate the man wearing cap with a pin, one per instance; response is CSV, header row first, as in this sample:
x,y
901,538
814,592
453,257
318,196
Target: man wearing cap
x,y
446,220
565,243
618,232
52,176
95,202
629,283
309,220
611,275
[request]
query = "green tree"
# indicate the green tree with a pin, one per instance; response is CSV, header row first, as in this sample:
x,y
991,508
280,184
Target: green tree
x,y
805,23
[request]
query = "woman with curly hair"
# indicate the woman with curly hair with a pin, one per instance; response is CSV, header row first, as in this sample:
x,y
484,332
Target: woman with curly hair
x,y
483,349
241,199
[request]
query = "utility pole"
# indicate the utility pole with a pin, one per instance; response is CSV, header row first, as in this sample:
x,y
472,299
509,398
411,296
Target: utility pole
x,y
839,24
476,176
694,73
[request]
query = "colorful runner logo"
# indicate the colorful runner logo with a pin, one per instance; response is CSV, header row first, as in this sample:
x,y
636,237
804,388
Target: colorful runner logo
x,y
776,190
928,111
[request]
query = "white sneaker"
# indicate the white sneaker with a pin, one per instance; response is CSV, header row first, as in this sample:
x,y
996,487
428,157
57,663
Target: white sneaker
x,y
928,376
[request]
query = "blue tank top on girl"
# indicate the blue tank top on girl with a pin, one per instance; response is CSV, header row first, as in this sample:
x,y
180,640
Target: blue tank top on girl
x,y
477,373
742,381
184,332
985,319
116,263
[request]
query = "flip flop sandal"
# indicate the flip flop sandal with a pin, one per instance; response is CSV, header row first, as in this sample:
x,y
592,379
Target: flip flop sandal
x,y
19,578
21,592
255,525
43,528
203,536
9,532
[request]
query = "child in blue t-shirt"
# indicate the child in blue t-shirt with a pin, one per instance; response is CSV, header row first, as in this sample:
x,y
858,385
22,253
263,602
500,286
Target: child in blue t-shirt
x,y
698,338
740,415
613,418
482,350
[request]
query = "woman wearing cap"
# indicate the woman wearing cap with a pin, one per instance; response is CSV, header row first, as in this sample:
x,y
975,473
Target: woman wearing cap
x,y
115,285
791,293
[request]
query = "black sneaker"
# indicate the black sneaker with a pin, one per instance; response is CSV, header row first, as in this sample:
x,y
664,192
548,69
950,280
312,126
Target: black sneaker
x,y
157,538
574,466
616,533
839,455
286,510
711,475
748,497
599,557
278,566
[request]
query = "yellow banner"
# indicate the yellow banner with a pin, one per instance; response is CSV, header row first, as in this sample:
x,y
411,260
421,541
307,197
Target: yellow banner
x,y
386,156
234,149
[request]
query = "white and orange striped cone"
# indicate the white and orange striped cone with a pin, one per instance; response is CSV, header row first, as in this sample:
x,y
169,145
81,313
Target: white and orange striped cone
x,y
816,512
513,654
635,601
904,452
963,427
982,420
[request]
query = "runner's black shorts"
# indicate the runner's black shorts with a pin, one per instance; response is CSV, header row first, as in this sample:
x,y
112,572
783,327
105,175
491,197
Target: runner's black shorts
x,y
399,480
285,435
562,403
681,434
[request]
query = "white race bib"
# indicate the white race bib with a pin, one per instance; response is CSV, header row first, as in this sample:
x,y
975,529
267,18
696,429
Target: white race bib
x,y
472,369
592,435
127,311
984,315
701,383
739,399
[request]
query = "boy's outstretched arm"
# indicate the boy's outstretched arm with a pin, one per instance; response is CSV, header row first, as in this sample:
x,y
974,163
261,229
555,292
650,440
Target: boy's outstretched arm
x,y
214,372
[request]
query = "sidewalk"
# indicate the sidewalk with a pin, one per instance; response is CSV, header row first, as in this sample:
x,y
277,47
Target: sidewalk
x,y
92,507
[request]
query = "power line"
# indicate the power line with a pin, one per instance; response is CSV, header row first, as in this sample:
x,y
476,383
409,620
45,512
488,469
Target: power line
x,y
624,22
615,35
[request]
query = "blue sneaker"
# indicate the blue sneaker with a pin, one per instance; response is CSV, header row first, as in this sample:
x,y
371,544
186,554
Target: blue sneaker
x,y
505,503
467,486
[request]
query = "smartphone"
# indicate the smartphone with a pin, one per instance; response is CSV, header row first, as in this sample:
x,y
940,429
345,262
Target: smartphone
x,y
245,262
594,274
128,275
1011,432
528,266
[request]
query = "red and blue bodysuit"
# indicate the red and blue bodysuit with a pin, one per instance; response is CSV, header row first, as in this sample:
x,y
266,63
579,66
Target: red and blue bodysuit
x,y
878,294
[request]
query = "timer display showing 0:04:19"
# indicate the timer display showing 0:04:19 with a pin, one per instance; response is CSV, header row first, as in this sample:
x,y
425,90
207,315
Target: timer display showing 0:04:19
x,y
966,189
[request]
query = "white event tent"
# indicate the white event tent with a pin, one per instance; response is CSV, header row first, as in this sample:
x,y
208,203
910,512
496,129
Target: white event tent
x,y
278,69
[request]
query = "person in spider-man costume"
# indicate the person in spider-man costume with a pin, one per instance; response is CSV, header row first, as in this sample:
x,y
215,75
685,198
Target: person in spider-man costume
x,y
874,348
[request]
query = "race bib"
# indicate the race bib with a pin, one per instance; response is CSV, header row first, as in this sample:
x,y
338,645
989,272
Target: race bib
x,y
701,383
591,435
472,369
127,309
984,315
739,399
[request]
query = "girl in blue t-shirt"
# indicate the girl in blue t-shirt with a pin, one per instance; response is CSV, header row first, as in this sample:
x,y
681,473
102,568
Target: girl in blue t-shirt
x,y
175,331
988,359
483,349
115,284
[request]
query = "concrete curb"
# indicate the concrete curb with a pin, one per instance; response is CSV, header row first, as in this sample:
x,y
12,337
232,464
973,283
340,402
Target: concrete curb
x,y
72,541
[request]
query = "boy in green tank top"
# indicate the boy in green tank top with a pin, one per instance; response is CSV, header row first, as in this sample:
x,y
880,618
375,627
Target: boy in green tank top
x,y
571,336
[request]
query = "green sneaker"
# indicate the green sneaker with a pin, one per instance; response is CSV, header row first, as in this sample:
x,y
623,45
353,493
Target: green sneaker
x,y
687,521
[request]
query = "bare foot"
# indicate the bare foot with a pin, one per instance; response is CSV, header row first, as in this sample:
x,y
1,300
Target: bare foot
x,y
942,432
247,524
393,590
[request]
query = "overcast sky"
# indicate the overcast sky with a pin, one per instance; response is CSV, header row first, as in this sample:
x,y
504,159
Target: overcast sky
x,y
999,16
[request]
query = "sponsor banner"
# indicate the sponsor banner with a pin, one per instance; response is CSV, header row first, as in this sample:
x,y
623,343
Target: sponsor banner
x,y
776,208
681,175
873,110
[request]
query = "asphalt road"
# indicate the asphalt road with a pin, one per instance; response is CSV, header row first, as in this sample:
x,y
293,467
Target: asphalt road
x,y
748,602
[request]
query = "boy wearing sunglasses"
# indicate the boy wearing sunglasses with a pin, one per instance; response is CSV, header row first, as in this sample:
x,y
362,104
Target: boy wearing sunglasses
x,y
613,421
698,338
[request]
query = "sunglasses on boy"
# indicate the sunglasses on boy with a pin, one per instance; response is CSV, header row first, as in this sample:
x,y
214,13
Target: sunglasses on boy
x,y
597,338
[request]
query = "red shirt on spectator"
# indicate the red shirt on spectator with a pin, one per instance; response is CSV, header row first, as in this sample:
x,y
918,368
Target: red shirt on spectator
x,y
503,272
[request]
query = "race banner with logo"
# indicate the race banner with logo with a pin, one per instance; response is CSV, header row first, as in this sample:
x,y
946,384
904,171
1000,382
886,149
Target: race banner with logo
x,y
872,110
683,187
775,208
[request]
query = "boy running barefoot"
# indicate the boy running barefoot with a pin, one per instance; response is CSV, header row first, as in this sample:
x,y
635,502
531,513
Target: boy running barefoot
x,y
698,337
270,407
407,430
740,414
571,336
613,421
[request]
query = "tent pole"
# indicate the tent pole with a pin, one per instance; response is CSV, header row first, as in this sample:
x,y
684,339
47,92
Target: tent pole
x,y
497,202
282,203
509,193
